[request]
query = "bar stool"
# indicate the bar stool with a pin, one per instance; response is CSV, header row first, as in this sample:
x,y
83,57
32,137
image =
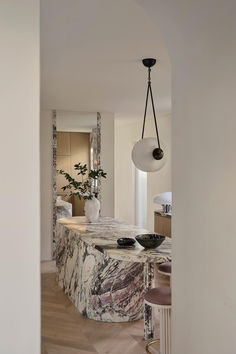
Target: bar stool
x,y
165,268
160,298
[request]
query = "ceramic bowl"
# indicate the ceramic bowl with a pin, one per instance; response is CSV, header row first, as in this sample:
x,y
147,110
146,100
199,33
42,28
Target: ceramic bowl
x,y
126,241
150,240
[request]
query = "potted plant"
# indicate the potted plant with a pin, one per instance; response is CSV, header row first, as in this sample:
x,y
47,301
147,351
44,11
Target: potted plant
x,y
86,188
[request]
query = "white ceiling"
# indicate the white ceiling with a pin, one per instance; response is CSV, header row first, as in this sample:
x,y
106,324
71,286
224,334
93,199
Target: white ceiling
x,y
91,53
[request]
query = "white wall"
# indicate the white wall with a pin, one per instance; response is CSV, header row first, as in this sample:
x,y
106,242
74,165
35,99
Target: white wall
x,y
201,40
125,137
107,163
46,184
19,187
71,121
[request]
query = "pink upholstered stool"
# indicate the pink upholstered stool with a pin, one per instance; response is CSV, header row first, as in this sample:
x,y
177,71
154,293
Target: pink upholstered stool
x,y
160,298
165,268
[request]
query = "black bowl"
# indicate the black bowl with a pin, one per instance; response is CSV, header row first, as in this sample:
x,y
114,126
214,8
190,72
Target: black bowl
x,y
126,241
150,240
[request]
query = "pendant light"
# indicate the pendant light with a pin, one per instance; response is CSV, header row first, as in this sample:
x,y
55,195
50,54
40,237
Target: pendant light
x,y
147,152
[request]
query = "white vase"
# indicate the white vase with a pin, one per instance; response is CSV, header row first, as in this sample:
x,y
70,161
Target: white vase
x,y
92,208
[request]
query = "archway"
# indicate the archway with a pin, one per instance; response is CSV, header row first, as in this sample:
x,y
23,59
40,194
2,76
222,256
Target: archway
x,y
200,37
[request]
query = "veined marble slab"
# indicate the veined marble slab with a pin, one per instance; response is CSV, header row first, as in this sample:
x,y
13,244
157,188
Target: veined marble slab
x,y
105,282
103,236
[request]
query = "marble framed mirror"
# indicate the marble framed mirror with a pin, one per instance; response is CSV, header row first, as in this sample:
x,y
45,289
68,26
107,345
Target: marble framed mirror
x,y
76,138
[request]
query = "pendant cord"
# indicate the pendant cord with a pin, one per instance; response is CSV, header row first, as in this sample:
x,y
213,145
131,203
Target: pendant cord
x,y
146,103
149,88
154,114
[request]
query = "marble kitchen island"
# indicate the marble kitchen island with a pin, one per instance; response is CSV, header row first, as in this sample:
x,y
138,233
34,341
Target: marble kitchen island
x,y
105,282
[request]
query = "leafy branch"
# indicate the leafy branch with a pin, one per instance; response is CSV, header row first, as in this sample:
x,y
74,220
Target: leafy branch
x,y
87,187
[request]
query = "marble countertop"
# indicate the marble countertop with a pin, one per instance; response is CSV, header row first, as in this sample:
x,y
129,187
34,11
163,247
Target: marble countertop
x,y
103,236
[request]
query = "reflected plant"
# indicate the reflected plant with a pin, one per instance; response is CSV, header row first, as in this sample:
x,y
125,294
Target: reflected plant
x,y
87,187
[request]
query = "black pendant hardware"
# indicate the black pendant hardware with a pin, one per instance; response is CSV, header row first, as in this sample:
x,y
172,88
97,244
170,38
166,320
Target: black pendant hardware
x,y
158,152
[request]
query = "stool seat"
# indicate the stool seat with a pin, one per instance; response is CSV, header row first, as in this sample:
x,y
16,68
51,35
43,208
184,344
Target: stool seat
x,y
165,268
159,296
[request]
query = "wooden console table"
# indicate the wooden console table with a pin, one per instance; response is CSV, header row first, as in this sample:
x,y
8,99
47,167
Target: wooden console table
x,y
162,223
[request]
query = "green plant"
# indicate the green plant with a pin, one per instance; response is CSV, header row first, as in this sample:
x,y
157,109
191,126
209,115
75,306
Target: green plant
x,y
87,187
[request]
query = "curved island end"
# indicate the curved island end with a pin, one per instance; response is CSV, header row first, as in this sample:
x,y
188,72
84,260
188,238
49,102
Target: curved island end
x,y
105,282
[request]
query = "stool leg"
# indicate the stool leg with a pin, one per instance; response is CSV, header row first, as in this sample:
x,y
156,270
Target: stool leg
x,y
148,311
165,331
151,343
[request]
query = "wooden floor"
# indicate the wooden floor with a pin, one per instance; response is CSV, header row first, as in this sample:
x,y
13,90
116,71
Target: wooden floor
x,y
66,331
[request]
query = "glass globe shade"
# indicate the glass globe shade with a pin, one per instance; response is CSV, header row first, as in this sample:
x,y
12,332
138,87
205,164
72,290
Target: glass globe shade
x,y
142,155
